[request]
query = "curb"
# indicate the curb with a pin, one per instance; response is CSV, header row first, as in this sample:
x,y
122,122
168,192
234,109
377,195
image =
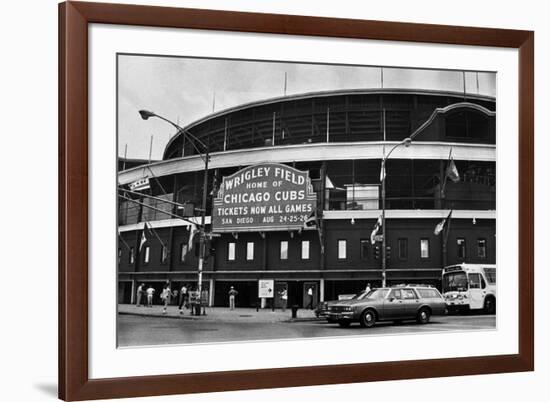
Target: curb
x,y
309,319
189,317
181,317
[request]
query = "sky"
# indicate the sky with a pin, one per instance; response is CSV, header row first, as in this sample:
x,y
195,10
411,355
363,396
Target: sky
x,y
185,89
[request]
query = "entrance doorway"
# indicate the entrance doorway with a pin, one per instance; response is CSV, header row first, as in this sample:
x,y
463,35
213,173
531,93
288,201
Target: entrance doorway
x,y
125,292
310,295
281,288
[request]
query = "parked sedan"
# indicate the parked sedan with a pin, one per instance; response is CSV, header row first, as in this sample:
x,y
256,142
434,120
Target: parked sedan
x,y
389,304
322,308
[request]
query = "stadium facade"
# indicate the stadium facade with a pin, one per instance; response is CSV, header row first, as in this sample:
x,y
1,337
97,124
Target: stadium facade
x,y
339,139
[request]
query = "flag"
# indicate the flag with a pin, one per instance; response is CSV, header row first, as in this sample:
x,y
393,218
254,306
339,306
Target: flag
x,y
192,231
375,230
145,235
312,220
452,171
382,172
439,227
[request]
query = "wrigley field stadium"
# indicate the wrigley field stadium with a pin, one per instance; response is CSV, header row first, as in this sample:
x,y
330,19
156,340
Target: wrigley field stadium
x,y
328,191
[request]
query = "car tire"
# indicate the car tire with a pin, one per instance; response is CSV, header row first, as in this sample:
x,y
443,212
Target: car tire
x,y
368,319
423,316
489,306
344,324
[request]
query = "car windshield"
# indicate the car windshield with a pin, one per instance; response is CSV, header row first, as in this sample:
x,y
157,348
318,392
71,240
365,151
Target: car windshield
x,y
360,296
455,281
376,294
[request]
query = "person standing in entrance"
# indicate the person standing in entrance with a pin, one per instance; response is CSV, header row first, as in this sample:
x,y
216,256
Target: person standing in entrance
x,y
367,289
165,296
150,292
232,294
310,297
183,298
139,295
284,298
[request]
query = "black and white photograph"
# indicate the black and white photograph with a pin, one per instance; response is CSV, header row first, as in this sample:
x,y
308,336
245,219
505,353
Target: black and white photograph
x,y
269,200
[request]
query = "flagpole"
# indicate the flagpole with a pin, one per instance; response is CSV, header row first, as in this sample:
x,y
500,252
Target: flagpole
x,y
123,242
125,155
150,149
156,235
445,237
384,262
446,173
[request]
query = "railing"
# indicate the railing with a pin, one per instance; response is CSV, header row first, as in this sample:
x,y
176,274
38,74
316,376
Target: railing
x,y
343,204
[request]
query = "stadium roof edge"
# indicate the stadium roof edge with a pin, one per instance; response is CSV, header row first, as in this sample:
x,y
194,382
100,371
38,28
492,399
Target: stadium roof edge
x,y
313,94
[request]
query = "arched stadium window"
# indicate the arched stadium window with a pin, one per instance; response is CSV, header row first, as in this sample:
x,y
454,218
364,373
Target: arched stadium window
x,y
467,124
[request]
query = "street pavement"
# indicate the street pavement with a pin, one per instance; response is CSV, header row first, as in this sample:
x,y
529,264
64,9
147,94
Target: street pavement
x,y
140,326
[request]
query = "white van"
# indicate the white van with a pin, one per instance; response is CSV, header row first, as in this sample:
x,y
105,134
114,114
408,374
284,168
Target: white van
x,y
470,287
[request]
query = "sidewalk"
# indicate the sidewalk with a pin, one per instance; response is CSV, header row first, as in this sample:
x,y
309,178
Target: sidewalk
x,y
221,314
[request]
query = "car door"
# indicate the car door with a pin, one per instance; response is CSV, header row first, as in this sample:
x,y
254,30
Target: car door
x,y
411,302
393,305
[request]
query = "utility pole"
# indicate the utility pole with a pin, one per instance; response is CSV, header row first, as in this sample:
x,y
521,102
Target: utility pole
x,y
145,115
202,239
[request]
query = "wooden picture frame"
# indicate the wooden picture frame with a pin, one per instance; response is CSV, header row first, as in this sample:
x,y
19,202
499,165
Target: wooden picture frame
x,y
74,381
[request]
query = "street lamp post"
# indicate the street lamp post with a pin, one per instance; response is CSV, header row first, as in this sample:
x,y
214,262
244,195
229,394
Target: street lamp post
x,y
146,114
406,142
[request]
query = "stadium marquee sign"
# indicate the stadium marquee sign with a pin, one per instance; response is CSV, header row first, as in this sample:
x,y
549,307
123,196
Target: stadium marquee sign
x,y
264,197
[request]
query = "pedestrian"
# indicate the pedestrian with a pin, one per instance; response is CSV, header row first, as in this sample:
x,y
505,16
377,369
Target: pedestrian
x,y
367,289
310,296
150,292
284,298
232,294
165,296
183,298
174,298
139,294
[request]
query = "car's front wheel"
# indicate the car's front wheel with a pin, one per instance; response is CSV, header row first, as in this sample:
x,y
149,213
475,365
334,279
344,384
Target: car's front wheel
x,y
423,316
368,319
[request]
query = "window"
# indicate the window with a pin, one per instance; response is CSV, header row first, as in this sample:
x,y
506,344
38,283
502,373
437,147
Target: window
x,y
461,248
183,251
483,283
146,255
250,251
395,294
131,256
481,248
408,294
424,248
305,250
283,250
342,249
428,293
119,255
491,275
403,249
163,254
365,244
474,280
231,251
